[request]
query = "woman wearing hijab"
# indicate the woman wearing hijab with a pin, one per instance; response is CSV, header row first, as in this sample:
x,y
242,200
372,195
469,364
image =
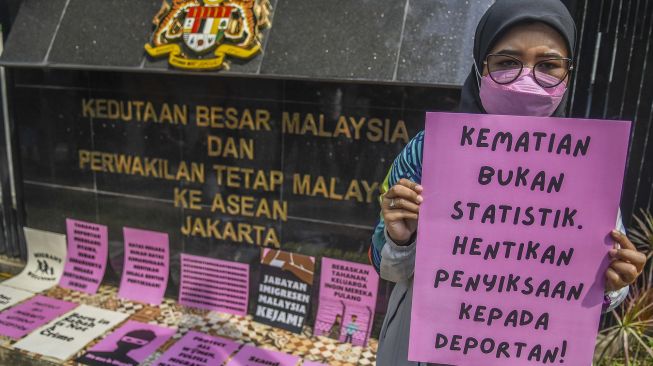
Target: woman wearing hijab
x,y
523,53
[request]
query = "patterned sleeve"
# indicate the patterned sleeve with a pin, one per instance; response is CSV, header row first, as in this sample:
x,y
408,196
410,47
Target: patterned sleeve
x,y
408,164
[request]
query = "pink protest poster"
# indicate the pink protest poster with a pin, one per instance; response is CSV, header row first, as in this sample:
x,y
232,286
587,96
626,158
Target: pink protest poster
x,y
128,345
214,284
86,258
31,314
147,259
513,238
347,301
10,296
198,349
253,356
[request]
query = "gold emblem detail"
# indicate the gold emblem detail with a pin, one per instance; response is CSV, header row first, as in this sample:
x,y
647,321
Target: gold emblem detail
x,y
198,35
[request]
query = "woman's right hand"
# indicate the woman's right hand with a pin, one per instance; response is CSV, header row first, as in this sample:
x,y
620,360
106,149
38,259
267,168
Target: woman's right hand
x,y
400,210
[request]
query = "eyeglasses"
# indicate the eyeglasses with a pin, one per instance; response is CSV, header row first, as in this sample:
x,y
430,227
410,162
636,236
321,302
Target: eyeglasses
x,y
505,69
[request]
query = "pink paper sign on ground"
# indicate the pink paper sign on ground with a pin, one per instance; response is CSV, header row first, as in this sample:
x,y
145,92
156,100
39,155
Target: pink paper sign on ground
x,y
128,345
254,356
214,284
31,314
347,301
86,259
198,349
147,259
510,266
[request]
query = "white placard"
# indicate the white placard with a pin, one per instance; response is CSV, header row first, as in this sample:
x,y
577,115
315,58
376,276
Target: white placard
x,y
66,335
10,296
46,256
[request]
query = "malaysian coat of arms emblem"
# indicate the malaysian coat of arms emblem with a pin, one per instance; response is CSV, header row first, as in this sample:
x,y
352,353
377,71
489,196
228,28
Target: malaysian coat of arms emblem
x,y
200,34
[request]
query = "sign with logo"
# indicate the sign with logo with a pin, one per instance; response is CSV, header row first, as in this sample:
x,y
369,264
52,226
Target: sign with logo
x,y
199,34
45,261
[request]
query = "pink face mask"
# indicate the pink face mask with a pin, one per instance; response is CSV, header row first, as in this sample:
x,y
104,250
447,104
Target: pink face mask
x,y
523,97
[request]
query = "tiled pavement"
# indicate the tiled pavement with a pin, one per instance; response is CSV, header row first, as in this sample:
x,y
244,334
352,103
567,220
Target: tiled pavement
x,y
241,329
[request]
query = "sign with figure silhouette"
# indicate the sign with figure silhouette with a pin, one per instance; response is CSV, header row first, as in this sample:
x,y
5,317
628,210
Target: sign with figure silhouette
x,y
347,301
45,261
284,289
129,345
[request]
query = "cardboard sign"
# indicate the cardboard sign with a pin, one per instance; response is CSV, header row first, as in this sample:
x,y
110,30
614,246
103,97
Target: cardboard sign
x,y
33,313
347,301
10,296
214,284
253,356
284,290
88,245
198,349
66,335
128,345
147,259
46,253
513,238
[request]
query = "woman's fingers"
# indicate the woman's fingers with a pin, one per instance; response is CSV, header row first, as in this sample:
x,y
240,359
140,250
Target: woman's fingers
x,y
410,184
400,209
623,240
401,203
631,256
626,271
628,251
402,191
404,195
614,281
400,214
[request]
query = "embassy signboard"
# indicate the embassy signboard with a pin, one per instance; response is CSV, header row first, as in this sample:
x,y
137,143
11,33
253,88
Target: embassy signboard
x,y
224,166
200,34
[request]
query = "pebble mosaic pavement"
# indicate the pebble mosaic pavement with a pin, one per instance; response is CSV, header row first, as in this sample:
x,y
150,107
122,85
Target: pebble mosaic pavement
x,y
170,314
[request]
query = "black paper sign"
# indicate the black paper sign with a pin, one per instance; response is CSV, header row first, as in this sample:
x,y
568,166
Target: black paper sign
x,y
284,290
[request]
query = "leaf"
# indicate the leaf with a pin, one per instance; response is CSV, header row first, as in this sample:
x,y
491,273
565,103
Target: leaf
x,y
646,347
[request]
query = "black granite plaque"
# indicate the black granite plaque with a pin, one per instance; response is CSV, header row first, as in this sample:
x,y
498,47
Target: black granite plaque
x,y
225,166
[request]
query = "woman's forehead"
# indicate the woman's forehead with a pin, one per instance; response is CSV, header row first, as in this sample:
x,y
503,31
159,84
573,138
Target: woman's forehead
x,y
532,37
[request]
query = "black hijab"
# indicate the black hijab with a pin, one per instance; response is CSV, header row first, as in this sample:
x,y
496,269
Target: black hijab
x,y
501,16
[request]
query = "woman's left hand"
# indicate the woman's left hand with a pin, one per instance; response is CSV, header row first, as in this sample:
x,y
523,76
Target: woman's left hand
x,y
627,263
